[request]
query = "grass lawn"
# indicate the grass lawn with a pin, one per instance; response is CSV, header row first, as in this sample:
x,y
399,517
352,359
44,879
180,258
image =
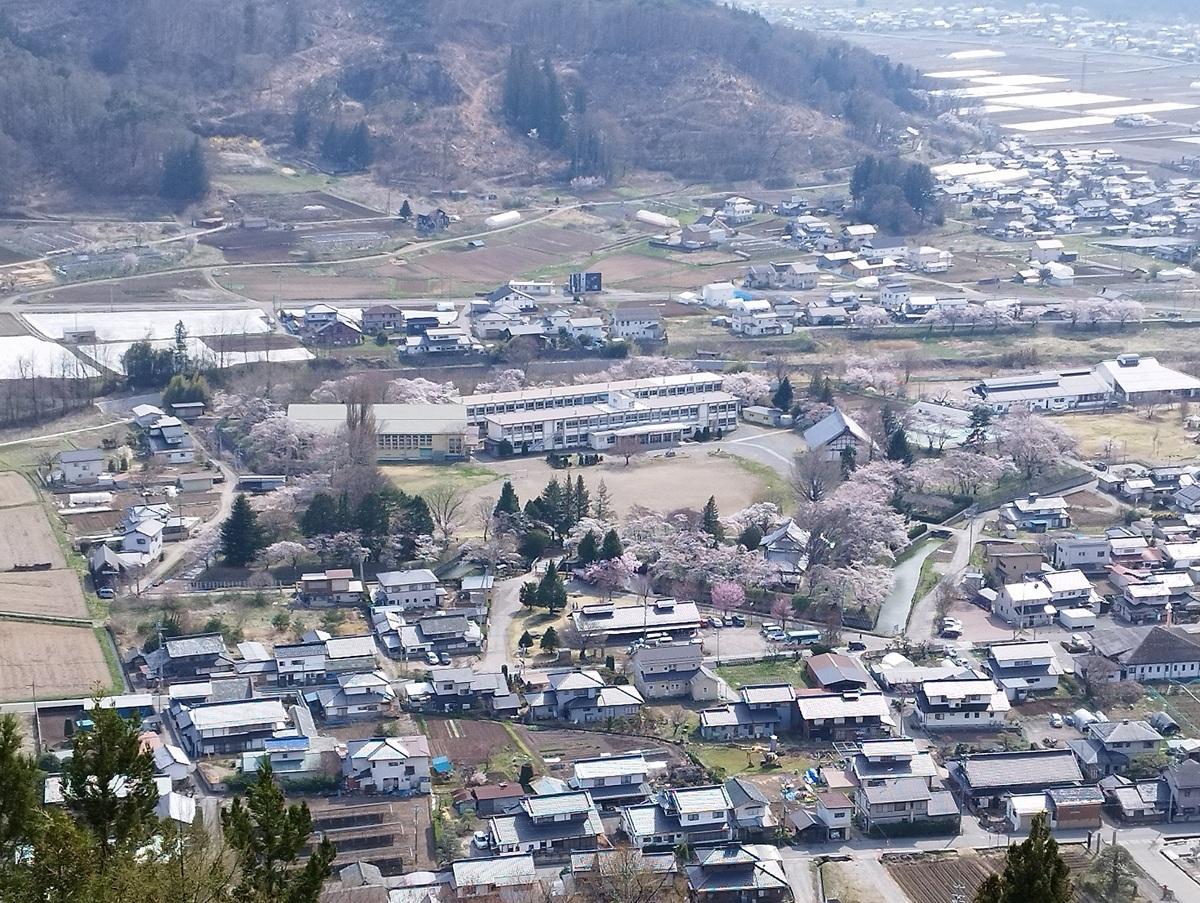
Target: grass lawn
x,y
773,487
1130,435
417,478
764,671
734,760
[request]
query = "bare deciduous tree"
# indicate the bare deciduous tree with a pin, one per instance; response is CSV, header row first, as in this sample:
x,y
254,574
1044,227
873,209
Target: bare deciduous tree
x,y
813,476
445,502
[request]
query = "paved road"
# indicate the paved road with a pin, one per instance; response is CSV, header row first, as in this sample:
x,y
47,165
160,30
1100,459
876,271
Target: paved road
x,y
505,604
773,447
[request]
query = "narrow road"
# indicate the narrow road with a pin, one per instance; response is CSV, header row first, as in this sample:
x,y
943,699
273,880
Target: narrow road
x,y
506,602
83,429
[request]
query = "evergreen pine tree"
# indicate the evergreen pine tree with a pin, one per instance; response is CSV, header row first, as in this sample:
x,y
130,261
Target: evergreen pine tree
x,y
320,516
552,594
587,551
104,760
1034,872
301,127
602,502
555,508
750,538
581,502
898,448
406,210
549,640
20,779
508,503
783,396
611,547
814,386
526,641
268,837
372,517
343,520
849,461
552,126
710,520
529,595
241,536
827,390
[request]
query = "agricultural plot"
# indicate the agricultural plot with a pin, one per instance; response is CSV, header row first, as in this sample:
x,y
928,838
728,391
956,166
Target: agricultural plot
x,y
25,356
944,878
150,290
15,490
303,207
54,593
26,539
61,661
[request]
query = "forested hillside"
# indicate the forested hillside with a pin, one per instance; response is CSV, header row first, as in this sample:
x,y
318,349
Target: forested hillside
x,y
97,94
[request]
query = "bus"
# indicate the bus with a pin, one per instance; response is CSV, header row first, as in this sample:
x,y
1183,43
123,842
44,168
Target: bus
x,y
807,637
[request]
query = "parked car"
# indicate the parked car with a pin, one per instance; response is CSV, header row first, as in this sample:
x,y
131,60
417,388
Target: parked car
x,y
737,621
768,627
432,659
480,840
856,646
716,623
106,592
1056,720
444,658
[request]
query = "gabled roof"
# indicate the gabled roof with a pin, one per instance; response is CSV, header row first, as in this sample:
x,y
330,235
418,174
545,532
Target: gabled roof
x,y
834,425
1165,645
994,771
386,748
1124,732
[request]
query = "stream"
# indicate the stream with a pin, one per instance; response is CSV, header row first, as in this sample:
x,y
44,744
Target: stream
x,y
893,614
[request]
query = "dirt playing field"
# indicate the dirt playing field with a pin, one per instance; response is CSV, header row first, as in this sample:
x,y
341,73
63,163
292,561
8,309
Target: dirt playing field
x,y
56,593
15,490
62,661
25,539
650,480
1131,436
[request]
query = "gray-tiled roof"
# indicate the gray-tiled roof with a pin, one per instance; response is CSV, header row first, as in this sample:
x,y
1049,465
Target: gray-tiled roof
x,y
895,790
996,771
199,644
1124,732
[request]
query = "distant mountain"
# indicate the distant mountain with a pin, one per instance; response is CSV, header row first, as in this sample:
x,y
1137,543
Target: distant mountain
x,y
434,91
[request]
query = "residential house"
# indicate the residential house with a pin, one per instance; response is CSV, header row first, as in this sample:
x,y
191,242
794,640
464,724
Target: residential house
x,y
738,211
382,318
597,872
1089,554
463,689
331,587
843,716
146,415
836,672
826,315
320,658
1009,562
1187,498
476,590
549,827
487,800
1183,789
1037,514
826,821
337,333
1143,601
388,764
1107,747
752,815
745,872
671,671
1024,604
1141,803
586,330
407,590
357,695
144,538
612,781
796,275
761,711
228,727
697,816
194,655
973,704
638,324
1068,589
582,697
855,237
986,779
451,633
199,481
835,432
494,879
1023,668
83,466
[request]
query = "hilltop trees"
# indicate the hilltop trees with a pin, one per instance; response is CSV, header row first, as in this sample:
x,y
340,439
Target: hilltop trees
x,y
896,195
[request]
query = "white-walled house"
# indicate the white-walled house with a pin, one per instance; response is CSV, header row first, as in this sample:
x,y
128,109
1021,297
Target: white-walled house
x,y
82,466
418,588
976,704
385,764
144,537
